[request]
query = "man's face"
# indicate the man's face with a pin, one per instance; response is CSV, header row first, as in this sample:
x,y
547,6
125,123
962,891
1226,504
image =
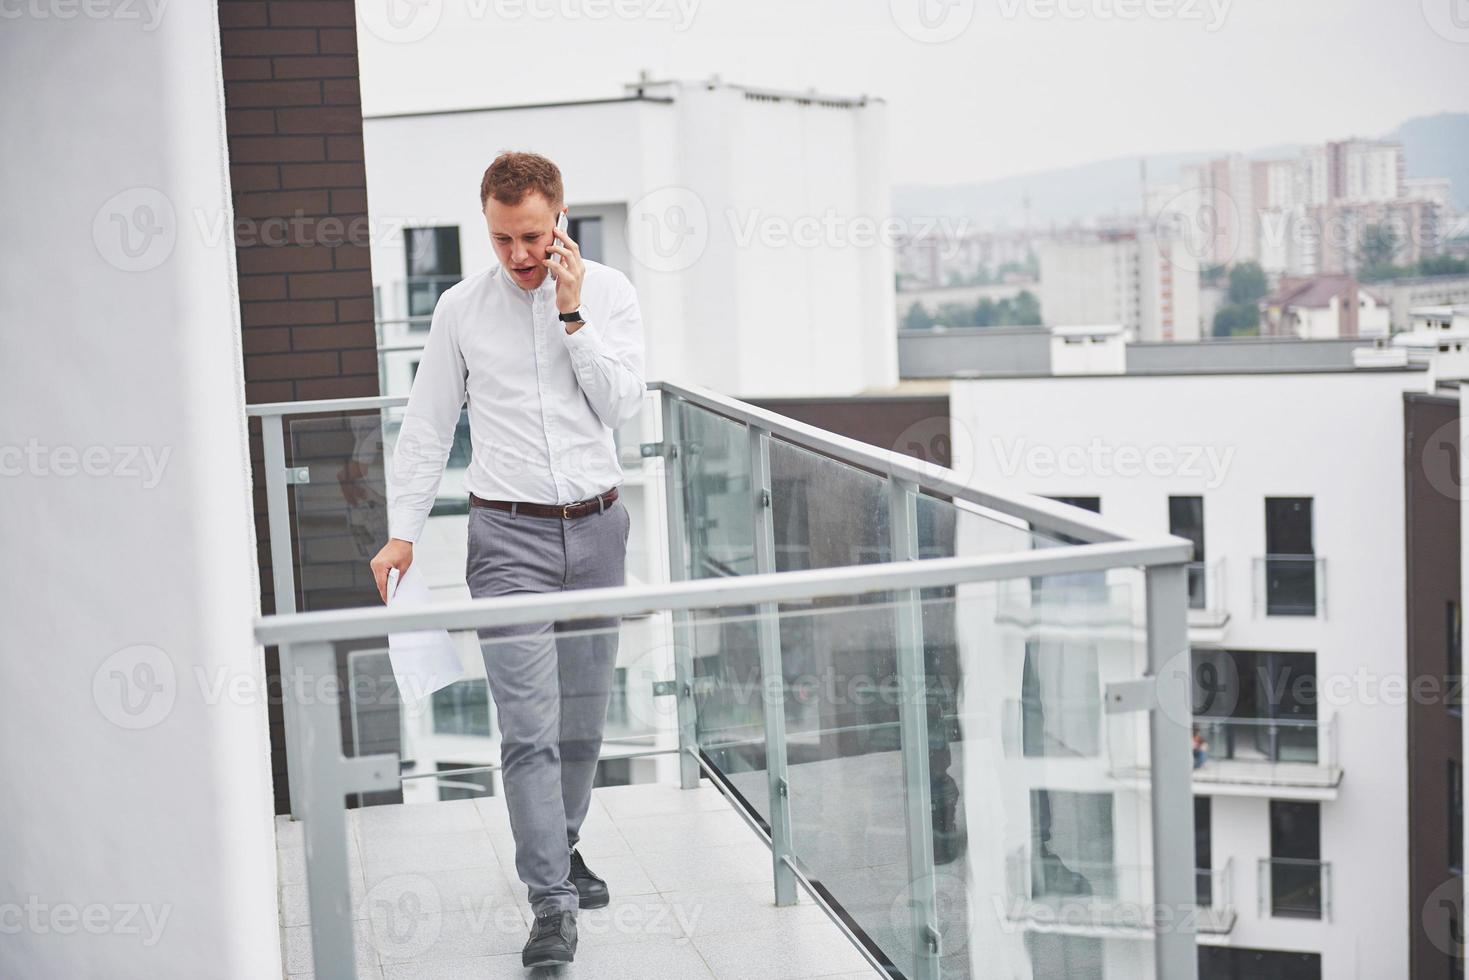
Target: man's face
x,y
520,234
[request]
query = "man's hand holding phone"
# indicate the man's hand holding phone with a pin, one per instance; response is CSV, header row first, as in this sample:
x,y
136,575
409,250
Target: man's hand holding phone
x,y
395,554
563,259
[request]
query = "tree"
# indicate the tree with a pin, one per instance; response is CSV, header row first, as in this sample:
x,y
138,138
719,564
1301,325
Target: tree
x,y
917,318
1379,247
1442,265
1027,309
1247,284
1237,320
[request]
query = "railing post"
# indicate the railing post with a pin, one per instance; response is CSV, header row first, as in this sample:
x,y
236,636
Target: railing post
x,y
1173,806
678,571
772,673
913,725
282,570
308,675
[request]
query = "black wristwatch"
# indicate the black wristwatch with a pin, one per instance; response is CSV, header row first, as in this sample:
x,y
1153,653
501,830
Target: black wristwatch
x,y
573,317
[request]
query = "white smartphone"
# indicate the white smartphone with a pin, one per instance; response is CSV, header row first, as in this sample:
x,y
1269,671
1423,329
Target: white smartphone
x,y
561,227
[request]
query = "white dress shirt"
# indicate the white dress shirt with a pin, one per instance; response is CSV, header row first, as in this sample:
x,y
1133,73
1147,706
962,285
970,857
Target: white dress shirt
x,y
542,402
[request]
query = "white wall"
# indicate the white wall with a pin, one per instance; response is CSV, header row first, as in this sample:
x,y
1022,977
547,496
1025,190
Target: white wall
x,y
131,801
1335,437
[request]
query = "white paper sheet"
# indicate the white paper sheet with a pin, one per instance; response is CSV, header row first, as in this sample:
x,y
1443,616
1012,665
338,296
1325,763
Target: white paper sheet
x,y
423,661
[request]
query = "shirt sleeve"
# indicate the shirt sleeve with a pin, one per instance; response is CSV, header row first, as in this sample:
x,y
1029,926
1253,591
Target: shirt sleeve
x,y
607,355
429,422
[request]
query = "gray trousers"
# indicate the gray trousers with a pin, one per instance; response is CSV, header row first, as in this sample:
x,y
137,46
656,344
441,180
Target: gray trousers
x,y
550,681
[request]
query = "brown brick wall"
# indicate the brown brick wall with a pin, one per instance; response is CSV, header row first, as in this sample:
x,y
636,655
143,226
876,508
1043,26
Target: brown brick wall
x,y
294,120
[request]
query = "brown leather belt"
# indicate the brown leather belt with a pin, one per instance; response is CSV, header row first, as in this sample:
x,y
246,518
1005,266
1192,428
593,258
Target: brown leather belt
x,y
581,508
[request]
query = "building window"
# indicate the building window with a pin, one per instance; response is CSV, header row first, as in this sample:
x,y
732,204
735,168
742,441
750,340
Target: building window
x,y
1240,963
1203,852
1071,845
1073,587
1456,817
617,709
432,266
1186,519
1060,700
1295,859
1454,681
1257,705
462,708
1290,557
587,233
1073,957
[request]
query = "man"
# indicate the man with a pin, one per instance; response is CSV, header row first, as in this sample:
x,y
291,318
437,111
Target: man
x,y
548,347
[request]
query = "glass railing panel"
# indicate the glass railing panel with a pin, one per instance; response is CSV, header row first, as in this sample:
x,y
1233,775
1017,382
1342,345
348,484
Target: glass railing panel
x,y
949,529
1295,888
825,513
1262,740
713,472
1290,585
1038,845
729,702
340,465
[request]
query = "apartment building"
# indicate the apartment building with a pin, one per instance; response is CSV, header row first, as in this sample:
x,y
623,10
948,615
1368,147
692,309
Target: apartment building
x,y
1283,463
729,210
1309,213
1146,281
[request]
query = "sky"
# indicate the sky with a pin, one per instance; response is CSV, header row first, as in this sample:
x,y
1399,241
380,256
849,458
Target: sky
x,y
976,89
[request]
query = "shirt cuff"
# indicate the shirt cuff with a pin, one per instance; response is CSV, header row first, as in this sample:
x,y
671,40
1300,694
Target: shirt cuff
x,y
405,525
586,340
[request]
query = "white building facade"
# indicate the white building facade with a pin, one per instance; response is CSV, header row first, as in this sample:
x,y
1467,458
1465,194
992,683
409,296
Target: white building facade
x,y
1293,486
754,224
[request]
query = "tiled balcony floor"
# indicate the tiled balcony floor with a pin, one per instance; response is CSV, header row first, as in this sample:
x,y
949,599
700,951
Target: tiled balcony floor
x,y
435,895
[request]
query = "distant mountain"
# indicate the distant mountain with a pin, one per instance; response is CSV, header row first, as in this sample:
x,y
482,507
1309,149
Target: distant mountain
x,y
1438,146
1434,146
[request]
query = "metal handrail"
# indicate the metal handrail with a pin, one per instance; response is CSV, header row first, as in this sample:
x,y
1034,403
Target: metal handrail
x,y
1045,515
626,600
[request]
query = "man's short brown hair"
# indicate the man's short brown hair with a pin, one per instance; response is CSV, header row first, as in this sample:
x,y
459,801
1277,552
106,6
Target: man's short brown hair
x,y
513,175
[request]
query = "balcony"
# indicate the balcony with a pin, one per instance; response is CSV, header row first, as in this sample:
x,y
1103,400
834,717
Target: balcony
x,y
1215,896
1050,894
1290,585
1295,888
820,644
1279,758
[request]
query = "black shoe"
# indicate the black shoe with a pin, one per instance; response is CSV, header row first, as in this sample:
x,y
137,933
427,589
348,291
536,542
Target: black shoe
x,y
591,891
552,940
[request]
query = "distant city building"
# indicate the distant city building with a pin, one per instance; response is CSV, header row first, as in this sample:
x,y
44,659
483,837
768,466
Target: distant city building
x,y
1438,191
1364,171
1343,232
936,254
1225,214
1322,308
1308,214
1145,282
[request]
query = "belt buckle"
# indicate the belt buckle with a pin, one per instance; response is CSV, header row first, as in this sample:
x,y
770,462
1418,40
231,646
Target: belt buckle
x,y
566,511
